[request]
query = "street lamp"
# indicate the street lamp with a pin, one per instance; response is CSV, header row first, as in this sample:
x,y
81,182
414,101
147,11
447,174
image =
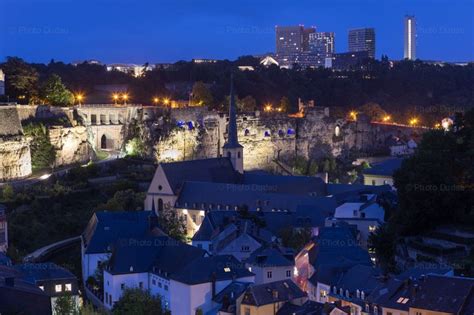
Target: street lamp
x,y
166,101
115,97
125,98
413,121
79,98
156,100
386,118
353,115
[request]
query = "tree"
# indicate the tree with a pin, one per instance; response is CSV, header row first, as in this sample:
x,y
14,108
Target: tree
x,y
55,93
21,78
284,104
8,192
295,238
247,104
136,147
43,154
124,200
373,111
383,242
201,94
66,305
172,224
139,302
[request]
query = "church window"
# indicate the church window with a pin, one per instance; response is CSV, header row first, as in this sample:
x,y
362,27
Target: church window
x,y
247,132
281,133
160,187
267,133
337,131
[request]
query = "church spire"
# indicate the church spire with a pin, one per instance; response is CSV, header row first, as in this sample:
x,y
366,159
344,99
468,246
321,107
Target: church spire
x,y
232,139
232,148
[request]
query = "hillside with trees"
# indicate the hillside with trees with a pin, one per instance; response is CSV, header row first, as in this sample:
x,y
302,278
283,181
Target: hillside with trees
x,y
402,89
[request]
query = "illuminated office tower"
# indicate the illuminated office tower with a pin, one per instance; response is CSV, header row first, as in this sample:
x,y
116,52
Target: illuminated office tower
x,y
410,38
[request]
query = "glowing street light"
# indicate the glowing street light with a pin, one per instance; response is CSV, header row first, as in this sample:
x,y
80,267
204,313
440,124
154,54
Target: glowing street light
x,y
353,115
125,98
268,108
79,98
386,118
166,101
156,100
413,121
115,97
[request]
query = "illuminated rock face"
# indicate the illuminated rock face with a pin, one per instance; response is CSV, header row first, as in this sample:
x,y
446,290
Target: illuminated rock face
x,y
266,138
15,158
71,144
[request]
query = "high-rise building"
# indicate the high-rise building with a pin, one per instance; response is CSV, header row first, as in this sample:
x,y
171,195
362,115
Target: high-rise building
x,y
410,38
322,43
292,39
362,39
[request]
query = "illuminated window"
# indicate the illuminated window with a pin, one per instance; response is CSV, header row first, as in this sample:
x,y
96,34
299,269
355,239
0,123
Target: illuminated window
x,y
41,287
227,269
58,287
68,287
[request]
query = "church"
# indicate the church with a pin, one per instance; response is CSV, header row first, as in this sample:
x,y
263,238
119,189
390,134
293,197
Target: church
x,y
195,187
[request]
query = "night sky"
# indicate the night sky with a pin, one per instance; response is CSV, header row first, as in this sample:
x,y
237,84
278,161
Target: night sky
x,y
138,31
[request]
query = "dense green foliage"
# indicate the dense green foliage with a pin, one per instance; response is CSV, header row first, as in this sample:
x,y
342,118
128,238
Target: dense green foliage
x,y
53,92
43,153
435,188
201,95
170,222
21,79
295,238
139,302
66,305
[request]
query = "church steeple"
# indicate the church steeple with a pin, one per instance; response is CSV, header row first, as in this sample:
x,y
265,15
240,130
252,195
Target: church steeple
x,y
232,148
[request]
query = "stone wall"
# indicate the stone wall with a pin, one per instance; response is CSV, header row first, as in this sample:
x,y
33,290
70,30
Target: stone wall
x,y
268,137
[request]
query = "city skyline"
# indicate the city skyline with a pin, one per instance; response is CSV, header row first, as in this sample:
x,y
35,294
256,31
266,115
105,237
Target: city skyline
x,y
168,32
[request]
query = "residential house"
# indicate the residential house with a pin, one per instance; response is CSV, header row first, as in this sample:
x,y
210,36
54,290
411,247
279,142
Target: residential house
x,y
426,295
229,297
268,298
229,233
354,286
382,173
363,211
53,280
181,274
322,263
271,263
104,229
18,296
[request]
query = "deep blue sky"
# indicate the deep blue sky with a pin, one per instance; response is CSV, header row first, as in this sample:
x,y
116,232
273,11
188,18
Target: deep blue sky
x,y
137,31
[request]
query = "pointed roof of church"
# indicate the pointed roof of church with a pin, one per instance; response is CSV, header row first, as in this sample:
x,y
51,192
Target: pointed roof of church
x,y
232,139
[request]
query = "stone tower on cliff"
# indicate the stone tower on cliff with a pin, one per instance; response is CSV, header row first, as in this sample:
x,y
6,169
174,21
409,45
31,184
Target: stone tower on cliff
x,y
232,148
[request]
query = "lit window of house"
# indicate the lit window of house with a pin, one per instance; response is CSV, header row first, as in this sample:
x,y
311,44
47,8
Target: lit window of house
x,y
58,287
68,287
372,228
227,269
41,287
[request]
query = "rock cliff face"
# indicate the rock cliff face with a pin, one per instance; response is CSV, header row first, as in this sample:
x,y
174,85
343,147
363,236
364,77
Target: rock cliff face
x,y
197,133
15,158
71,144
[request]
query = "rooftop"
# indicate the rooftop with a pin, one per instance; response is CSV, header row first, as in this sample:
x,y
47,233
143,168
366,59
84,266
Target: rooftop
x,y
385,168
268,293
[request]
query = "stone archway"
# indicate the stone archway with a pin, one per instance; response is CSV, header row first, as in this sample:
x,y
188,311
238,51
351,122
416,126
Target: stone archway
x,y
103,142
